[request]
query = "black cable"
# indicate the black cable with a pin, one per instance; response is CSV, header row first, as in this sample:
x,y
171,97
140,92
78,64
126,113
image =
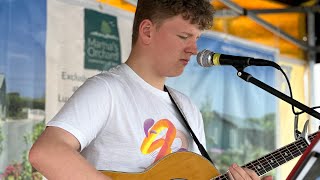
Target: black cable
x,y
290,91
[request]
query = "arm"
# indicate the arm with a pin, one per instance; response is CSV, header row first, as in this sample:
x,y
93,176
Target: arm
x,y
55,155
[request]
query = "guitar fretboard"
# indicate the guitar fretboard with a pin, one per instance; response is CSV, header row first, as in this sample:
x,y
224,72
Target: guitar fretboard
x,y
276,158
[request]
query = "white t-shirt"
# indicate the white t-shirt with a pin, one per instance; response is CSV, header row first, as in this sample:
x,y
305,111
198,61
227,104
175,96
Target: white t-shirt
x,y
125,124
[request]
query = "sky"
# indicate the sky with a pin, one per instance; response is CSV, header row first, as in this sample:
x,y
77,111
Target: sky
x,y
22,46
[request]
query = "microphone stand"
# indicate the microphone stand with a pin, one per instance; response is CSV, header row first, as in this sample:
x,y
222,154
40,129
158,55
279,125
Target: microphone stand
x,y
249,78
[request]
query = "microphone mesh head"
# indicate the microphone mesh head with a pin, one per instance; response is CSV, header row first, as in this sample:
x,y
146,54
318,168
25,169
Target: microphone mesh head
x,y
204,58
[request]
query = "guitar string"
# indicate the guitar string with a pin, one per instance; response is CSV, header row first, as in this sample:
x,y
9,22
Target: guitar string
x,y
288,149
252,166
291,149
264,162
287,153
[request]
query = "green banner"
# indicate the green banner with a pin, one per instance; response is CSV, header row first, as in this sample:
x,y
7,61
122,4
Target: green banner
x,y
102,41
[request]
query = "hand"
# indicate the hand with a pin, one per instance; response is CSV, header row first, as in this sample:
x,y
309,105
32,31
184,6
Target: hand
x,y
236,173
267,178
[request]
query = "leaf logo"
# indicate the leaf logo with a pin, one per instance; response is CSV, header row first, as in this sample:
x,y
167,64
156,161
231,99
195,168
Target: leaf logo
x,y
105,28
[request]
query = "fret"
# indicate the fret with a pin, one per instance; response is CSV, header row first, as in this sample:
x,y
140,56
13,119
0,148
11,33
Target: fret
x,y
297,147
312,136
268,166
278,155
276,158
290,151
265,165
259,167
302,145
295,151
225,177
251,166
272,160
286,154
222,177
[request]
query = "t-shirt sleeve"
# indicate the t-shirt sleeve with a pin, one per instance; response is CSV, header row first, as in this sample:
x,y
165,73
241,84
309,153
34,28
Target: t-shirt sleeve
x,y
86,112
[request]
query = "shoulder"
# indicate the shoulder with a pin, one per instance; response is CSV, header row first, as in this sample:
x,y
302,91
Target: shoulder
x,y
191,111
178,94
107,79
184,100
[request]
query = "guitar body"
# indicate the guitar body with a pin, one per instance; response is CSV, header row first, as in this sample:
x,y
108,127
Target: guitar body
x,y
179,166
189,166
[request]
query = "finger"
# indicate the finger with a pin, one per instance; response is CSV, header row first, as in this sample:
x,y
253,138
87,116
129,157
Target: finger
x,y
230,175
267,178
238,172
251,173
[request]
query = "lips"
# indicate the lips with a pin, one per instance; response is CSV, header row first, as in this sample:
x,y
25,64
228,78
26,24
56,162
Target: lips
x,y
185,61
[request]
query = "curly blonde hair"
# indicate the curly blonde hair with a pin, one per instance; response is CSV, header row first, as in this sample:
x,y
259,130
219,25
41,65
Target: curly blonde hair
x,y
197,11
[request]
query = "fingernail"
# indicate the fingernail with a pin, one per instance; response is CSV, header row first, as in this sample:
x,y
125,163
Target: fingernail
x,y
234,165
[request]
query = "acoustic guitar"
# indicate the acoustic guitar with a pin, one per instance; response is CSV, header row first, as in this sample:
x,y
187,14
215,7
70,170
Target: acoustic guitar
x,y
191,166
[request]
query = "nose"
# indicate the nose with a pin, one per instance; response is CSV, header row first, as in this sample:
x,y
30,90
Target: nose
x,y
192,48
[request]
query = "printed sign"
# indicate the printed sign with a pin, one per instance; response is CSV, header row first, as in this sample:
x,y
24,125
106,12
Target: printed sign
x,y
102,42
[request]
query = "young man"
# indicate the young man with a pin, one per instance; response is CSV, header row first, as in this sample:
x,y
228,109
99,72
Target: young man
x,y
123,120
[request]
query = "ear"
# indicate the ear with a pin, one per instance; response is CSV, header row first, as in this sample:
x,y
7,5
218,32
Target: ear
x,y
145,31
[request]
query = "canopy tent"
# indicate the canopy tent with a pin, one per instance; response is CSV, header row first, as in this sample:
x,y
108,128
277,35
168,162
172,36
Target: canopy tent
x,y
287,25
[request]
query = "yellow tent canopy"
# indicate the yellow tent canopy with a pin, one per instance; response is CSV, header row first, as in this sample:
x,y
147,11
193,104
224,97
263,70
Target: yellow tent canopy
x,y
293,23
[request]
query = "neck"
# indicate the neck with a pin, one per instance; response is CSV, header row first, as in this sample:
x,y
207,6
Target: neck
x,y
141,67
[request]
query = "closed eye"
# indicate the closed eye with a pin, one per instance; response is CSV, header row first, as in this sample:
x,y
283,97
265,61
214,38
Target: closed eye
x,y
183,37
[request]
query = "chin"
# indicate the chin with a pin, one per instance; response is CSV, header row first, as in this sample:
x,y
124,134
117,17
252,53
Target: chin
x,y
175,74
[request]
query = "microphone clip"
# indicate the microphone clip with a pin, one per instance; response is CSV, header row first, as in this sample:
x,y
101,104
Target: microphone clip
x,y
303,134
240,68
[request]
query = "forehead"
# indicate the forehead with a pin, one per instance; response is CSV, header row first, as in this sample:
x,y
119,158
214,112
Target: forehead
x,y
179,25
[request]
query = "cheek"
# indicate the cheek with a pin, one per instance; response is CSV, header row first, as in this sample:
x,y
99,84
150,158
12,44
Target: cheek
x,y
165,48
173,47
168,46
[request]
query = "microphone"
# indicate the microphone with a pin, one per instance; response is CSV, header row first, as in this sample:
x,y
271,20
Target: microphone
x,y
208,58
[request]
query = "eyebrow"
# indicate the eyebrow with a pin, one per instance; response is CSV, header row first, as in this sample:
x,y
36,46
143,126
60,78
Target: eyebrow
x,y
189,34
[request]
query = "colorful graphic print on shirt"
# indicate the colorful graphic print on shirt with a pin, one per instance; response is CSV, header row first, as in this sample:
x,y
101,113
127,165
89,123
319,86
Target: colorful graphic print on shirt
x,y
161,135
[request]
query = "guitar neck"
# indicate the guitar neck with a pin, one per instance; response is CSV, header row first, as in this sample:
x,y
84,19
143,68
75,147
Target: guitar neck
x,y
276,158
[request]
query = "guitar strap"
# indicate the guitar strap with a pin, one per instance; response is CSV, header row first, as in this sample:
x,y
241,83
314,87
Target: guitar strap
x,y
200,146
